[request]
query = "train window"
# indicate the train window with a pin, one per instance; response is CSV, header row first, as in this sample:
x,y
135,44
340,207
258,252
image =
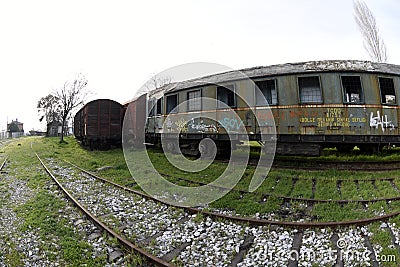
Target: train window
x,y
159,106
388,94
194,100
172,102
226,94
267,93
151,103
352,89
310,90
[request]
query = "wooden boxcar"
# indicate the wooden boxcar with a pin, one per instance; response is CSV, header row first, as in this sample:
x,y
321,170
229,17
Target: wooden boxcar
x,y
99,124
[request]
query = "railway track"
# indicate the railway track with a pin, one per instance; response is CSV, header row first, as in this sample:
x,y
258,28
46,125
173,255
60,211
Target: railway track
x,y
257,221
126,243
3,164
193,236
314,164
309,200
336,165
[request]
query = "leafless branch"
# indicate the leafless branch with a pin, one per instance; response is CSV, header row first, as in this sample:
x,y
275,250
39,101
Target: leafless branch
x,y
157,82
71,95
373,43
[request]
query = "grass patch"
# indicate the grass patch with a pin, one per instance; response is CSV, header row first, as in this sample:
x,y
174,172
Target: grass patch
x,y
41,214
277,182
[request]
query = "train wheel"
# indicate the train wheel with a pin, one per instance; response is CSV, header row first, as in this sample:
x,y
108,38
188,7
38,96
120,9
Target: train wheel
x,y
207,148
370,149
267,148
345,148
171,147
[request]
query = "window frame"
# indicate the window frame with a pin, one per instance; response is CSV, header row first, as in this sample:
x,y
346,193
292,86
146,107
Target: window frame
x,y
320,88
362,101
161,102
200,99
394,90
152,107
234,95
276,90
166,104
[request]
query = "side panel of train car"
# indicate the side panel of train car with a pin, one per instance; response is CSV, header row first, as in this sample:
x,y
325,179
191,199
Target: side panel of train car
x,y
312,109
99,124
135,121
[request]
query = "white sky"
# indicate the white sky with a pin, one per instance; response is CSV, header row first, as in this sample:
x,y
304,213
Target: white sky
x,y
119,45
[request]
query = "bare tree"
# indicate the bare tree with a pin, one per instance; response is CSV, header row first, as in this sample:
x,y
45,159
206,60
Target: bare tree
x,y
157,82
71,95
373,42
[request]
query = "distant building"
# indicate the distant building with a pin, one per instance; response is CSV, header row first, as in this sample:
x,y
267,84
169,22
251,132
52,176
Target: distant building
x,y
15,126
37,133
3,135
15,129
54,129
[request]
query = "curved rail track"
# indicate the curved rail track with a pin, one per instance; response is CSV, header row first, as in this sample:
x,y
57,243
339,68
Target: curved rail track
x,y
249,242
315,164
308,200
254,221
3,164
318,165
126,243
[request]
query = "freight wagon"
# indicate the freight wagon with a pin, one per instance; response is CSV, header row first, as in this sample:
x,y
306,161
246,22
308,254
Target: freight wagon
x,y
99,124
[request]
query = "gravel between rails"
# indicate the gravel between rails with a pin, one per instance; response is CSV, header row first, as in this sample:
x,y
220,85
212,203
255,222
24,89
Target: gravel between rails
x,y
32,247
194,240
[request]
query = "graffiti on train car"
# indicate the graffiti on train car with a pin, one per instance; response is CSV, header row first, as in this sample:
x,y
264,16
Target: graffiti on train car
x,y
266,118
168,124
382,121
179,125
231,125
303,113
200,126
193,125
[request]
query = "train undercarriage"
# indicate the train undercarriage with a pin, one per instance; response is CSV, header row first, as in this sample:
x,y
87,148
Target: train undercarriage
x,y
296,145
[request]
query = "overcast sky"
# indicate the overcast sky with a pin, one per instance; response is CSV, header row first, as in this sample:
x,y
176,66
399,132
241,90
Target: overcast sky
x,y
119,45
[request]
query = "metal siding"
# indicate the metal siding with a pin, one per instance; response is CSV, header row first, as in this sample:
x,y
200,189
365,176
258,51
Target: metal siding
x,y
182,98
244,94
371,89
331,87
101,120
288,90
209,92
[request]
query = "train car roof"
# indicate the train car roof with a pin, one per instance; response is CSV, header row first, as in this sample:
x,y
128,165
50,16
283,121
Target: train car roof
x,y
284,69
96,100
139,95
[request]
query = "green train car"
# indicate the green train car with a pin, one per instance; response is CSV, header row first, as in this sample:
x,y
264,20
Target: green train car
x,y
309,106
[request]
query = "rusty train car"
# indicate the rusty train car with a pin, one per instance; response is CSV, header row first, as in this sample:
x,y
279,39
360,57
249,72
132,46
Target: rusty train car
x,y
98,124
314,105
